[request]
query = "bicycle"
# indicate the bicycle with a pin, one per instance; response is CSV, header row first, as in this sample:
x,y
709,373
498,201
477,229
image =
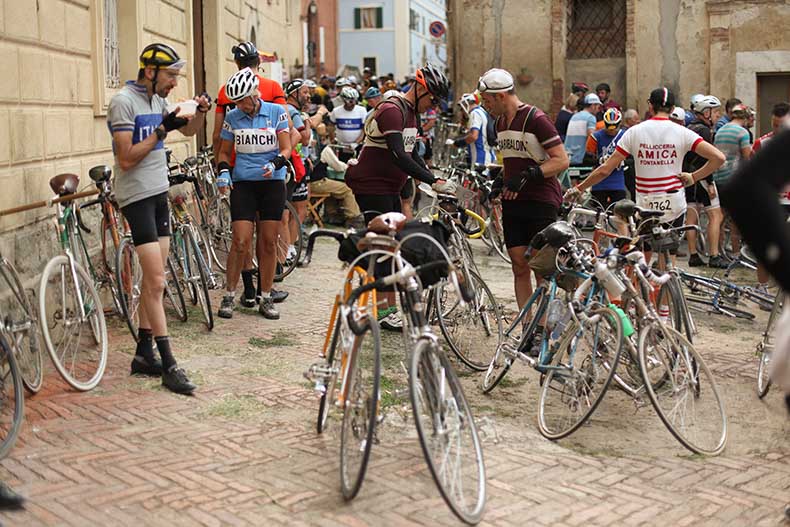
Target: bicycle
x,y
70,310
12,402
766,345
187,254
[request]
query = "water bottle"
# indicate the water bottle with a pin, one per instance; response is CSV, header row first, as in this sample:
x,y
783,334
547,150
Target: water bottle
x,y
628,328
565,317
608,280
554,313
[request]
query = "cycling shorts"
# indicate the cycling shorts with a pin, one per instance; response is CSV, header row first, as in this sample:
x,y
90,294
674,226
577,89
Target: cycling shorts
x,y
149,219
522,220
297,191
407,191
373,205
698,194
266,199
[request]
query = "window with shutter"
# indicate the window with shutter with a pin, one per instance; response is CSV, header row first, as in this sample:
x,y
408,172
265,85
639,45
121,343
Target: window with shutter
x,y
596,29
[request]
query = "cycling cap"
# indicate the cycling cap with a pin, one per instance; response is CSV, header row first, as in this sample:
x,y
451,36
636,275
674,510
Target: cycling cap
x,y
161,56
704,103
591,98
341,81
579,87
244,52
433,80
495,80
612,117
678,114
603,86
242,84
662,97
372,92
293,86
349,94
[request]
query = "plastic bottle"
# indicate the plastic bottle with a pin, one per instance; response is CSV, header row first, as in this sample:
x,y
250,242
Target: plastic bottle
x,y
554,313
608,280
628,328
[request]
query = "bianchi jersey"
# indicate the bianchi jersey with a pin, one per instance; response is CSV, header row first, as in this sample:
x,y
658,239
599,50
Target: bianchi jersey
x,y
658,146
255,140
348,123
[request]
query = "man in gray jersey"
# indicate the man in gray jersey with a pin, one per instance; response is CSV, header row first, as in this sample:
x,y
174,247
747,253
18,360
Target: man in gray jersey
x,y
139,123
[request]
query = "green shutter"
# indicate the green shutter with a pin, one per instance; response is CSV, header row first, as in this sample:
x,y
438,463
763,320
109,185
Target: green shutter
x,y
379,17
357,22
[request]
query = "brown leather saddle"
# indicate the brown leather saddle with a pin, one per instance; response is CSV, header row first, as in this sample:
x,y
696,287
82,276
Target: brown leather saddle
x,y
64,184
100,173
387,224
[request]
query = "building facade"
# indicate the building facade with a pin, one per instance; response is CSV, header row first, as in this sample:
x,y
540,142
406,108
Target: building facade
x,y
723,47
319,28
390,36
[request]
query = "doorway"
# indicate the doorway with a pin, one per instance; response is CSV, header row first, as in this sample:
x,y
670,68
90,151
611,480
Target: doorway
x,y
771,89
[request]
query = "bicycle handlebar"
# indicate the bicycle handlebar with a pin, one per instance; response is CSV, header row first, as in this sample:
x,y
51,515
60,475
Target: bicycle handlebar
x,y
473,234
320,233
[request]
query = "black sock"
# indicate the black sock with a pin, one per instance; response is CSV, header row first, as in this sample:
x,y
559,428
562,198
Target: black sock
x,y
163,344
249,286
145,344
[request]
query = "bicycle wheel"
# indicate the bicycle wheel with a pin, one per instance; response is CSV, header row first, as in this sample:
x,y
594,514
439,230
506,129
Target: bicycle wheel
x,y
287,257
580,374
687,401
471,330
198,277
12,400
75,334
447,432
496,232
333,361
508,347
130,281
220,231
670,305
179,252
18,321
719,307
765,348
360,404
174,293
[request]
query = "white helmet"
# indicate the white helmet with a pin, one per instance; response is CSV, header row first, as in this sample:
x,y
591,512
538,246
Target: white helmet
x,y
352,79
349,94
242,84
495,80
310,84
341,82
468,100
705,103
391,93
697,97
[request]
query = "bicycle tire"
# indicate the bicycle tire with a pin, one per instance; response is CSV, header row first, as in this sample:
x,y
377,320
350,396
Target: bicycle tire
x,y
765,348
473,316
502,358
174,292
108,242
9,428
684,369
716,307
60,264
287,265
575,386
130,273
763,380
496,232
431,376
359,410
19,320
200,280
178,249
670,292
221,231
328,397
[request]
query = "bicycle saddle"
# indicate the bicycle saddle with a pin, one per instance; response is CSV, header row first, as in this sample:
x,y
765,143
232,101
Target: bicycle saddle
x,y
625,208
64,184
387,224
647,214
100,173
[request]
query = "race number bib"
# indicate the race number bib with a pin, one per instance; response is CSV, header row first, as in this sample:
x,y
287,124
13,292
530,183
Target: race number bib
x,y
672,204
409,139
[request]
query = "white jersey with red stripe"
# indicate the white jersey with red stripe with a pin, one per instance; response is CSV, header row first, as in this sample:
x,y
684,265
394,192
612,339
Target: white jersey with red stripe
x,y
658,147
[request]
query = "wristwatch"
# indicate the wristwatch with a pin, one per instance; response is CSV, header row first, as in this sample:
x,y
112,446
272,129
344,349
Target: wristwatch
x,y
160,133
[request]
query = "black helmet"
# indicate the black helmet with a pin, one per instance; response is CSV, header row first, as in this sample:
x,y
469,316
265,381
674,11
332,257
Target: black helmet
x,y
557,234
245,53
161,56
434,81
293,86
603,86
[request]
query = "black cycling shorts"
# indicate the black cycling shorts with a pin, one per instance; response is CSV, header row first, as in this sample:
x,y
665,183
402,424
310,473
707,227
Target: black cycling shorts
x,y
407,191
266,199
522,220
373,205
297,191
149,219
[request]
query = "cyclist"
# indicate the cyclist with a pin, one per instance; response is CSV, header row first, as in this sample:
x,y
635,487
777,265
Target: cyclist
x,y
139,123
733,140
349,121
476,138
260,133
297,93
246,55
603,90
703,193
600,146
372,98
533,157
658,146
690,112
678,116
727,117
580,128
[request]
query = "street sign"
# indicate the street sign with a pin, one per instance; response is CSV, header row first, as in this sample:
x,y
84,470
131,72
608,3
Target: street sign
x,y
437,29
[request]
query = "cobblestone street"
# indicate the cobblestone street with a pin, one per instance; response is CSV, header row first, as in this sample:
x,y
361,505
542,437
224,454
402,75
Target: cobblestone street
x,y
244,451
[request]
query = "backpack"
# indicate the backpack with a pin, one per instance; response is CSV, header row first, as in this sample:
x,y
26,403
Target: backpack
x,y
490,129
398,101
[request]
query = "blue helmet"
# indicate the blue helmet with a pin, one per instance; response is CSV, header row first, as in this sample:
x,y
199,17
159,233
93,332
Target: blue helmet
x,y
372,92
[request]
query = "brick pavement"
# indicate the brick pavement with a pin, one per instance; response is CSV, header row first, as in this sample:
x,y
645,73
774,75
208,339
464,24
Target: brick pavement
x,y
243,451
